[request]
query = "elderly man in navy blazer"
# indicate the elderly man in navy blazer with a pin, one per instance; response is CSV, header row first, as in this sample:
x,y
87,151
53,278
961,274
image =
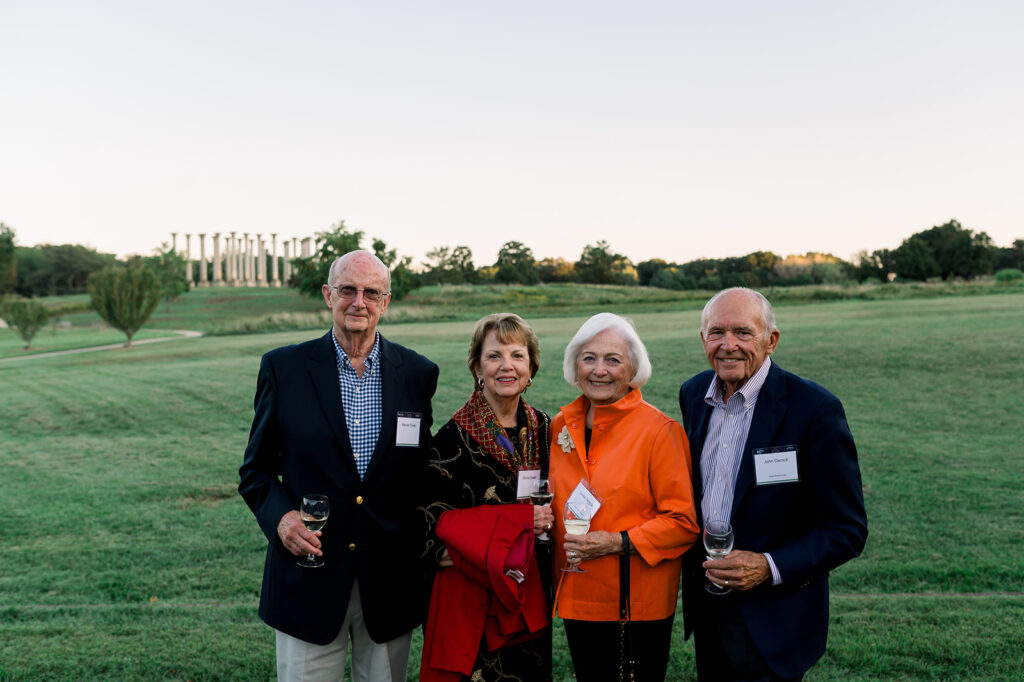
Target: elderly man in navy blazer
x,y
346,415
774,457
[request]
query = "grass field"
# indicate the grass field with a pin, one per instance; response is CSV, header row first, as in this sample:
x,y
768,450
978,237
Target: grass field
x,y
125,552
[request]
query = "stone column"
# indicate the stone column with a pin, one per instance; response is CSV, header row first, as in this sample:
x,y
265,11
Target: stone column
x,y
250,261
202,260
246,261
261,262
188,259
231,260
295,247
174,241
218,279
306,243
286,266
275,280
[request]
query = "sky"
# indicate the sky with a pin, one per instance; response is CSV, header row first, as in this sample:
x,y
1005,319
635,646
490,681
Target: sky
x,y
674,130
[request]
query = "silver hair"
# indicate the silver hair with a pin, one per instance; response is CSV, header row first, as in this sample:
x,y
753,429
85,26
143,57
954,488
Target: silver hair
x,y
638,357
767,312
341,261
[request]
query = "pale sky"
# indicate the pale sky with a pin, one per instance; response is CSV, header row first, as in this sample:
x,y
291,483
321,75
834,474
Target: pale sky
x,y
673,129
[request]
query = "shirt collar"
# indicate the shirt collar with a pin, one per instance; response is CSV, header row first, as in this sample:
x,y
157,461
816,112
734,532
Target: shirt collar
x,y
371,359
750,389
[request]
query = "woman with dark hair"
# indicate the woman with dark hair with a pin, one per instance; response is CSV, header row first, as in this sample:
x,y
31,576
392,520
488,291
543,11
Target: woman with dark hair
x,y
488,617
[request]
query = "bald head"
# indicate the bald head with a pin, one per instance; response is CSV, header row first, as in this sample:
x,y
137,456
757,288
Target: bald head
x,y
362,259
742,295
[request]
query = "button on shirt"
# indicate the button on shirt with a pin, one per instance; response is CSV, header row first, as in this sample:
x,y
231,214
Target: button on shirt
x,y
723,448
361,402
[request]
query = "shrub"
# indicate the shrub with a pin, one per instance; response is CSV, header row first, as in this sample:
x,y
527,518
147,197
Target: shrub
x,y
1009,275
25,316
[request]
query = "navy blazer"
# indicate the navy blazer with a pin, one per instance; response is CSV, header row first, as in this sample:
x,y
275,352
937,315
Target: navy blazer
x,y
809,527
299,444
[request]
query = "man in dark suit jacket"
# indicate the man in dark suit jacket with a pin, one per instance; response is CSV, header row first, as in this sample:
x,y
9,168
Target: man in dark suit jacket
x,y
774,456
347,415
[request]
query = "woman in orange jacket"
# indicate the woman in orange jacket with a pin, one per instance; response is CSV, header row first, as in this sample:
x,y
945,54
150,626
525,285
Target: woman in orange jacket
x,y
636,460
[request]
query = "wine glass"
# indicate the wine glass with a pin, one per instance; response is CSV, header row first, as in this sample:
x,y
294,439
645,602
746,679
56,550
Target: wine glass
x,y
718,540
313,512
542,496
574,525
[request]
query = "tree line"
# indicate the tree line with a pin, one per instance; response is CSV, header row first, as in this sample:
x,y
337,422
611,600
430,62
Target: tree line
x,y
123,292
945,251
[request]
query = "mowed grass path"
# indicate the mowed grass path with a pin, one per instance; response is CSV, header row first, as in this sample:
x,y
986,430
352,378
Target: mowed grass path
x,y
125,552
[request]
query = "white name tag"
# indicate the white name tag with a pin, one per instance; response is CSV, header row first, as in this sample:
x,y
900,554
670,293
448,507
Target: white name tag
x,y
529,482
407,432
776,465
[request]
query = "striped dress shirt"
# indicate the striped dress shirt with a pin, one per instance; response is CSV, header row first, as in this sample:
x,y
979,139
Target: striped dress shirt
x,y
723,447
361,402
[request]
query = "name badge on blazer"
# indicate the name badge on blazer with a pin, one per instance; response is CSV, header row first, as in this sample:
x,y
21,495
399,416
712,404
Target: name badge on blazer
x,y
407,431
776,465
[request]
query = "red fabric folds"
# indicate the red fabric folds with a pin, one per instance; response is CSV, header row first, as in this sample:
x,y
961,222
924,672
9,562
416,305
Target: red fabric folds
x,y
475,600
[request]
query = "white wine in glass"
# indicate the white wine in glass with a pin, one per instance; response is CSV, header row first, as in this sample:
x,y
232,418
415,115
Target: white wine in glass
x,y
574,525
313,512
718,539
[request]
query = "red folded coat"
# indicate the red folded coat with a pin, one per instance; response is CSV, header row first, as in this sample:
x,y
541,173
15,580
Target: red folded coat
x,y
476,599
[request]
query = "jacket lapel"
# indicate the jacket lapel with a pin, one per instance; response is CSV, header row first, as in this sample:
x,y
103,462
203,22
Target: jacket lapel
x,y
772,404
323,372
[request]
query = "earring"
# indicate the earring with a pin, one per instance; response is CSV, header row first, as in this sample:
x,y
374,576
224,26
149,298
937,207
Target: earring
x,y
480,384
529,382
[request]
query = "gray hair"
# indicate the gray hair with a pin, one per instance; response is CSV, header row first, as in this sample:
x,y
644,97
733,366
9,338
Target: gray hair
x,y
341,261
624,328
767,313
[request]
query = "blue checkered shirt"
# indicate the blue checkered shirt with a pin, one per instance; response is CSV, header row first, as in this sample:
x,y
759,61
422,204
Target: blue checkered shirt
x,y
361,402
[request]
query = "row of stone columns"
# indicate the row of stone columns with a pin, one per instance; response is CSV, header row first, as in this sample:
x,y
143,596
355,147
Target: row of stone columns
x,y
242,262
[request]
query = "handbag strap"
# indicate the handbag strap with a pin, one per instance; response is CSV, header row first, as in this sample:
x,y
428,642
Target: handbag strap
x,y
627,667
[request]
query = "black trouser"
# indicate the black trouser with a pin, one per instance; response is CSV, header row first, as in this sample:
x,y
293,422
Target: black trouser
x,y
594,647
725,651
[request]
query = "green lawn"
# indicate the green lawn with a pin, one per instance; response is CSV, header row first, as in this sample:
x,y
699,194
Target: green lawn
x,y
147,564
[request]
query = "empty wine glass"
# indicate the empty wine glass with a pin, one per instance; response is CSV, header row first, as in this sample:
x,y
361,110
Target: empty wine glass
x,y
313,512
574,525
718,539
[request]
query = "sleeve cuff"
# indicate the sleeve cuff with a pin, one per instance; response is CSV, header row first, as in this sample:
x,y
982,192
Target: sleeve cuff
x,y
776,576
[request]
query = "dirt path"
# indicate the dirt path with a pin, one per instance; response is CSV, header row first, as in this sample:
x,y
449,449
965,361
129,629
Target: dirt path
x,y
182,333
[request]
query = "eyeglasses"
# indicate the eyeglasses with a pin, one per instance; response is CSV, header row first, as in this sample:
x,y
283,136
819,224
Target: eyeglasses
x,y
347,293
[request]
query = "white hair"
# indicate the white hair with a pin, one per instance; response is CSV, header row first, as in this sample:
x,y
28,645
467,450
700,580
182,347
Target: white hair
x,y
627,332
341,261
767,312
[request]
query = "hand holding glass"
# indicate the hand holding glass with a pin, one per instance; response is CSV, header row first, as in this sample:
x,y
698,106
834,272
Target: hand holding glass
x,y
541,497
574,525
718,541
313,512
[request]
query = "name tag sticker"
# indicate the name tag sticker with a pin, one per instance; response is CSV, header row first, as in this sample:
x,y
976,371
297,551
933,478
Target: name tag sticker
x,y
407,432
529,482
776,465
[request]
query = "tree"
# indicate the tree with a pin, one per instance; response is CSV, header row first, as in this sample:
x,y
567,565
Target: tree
x,y
1011,257
556,270
169,267
48,270
598,264
646,270
915,259
447,265
403,279
516,265
125,297
25,316
310,274
8,260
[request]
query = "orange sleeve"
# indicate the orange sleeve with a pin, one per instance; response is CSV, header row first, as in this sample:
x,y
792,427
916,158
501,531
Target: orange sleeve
x,y
674,529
